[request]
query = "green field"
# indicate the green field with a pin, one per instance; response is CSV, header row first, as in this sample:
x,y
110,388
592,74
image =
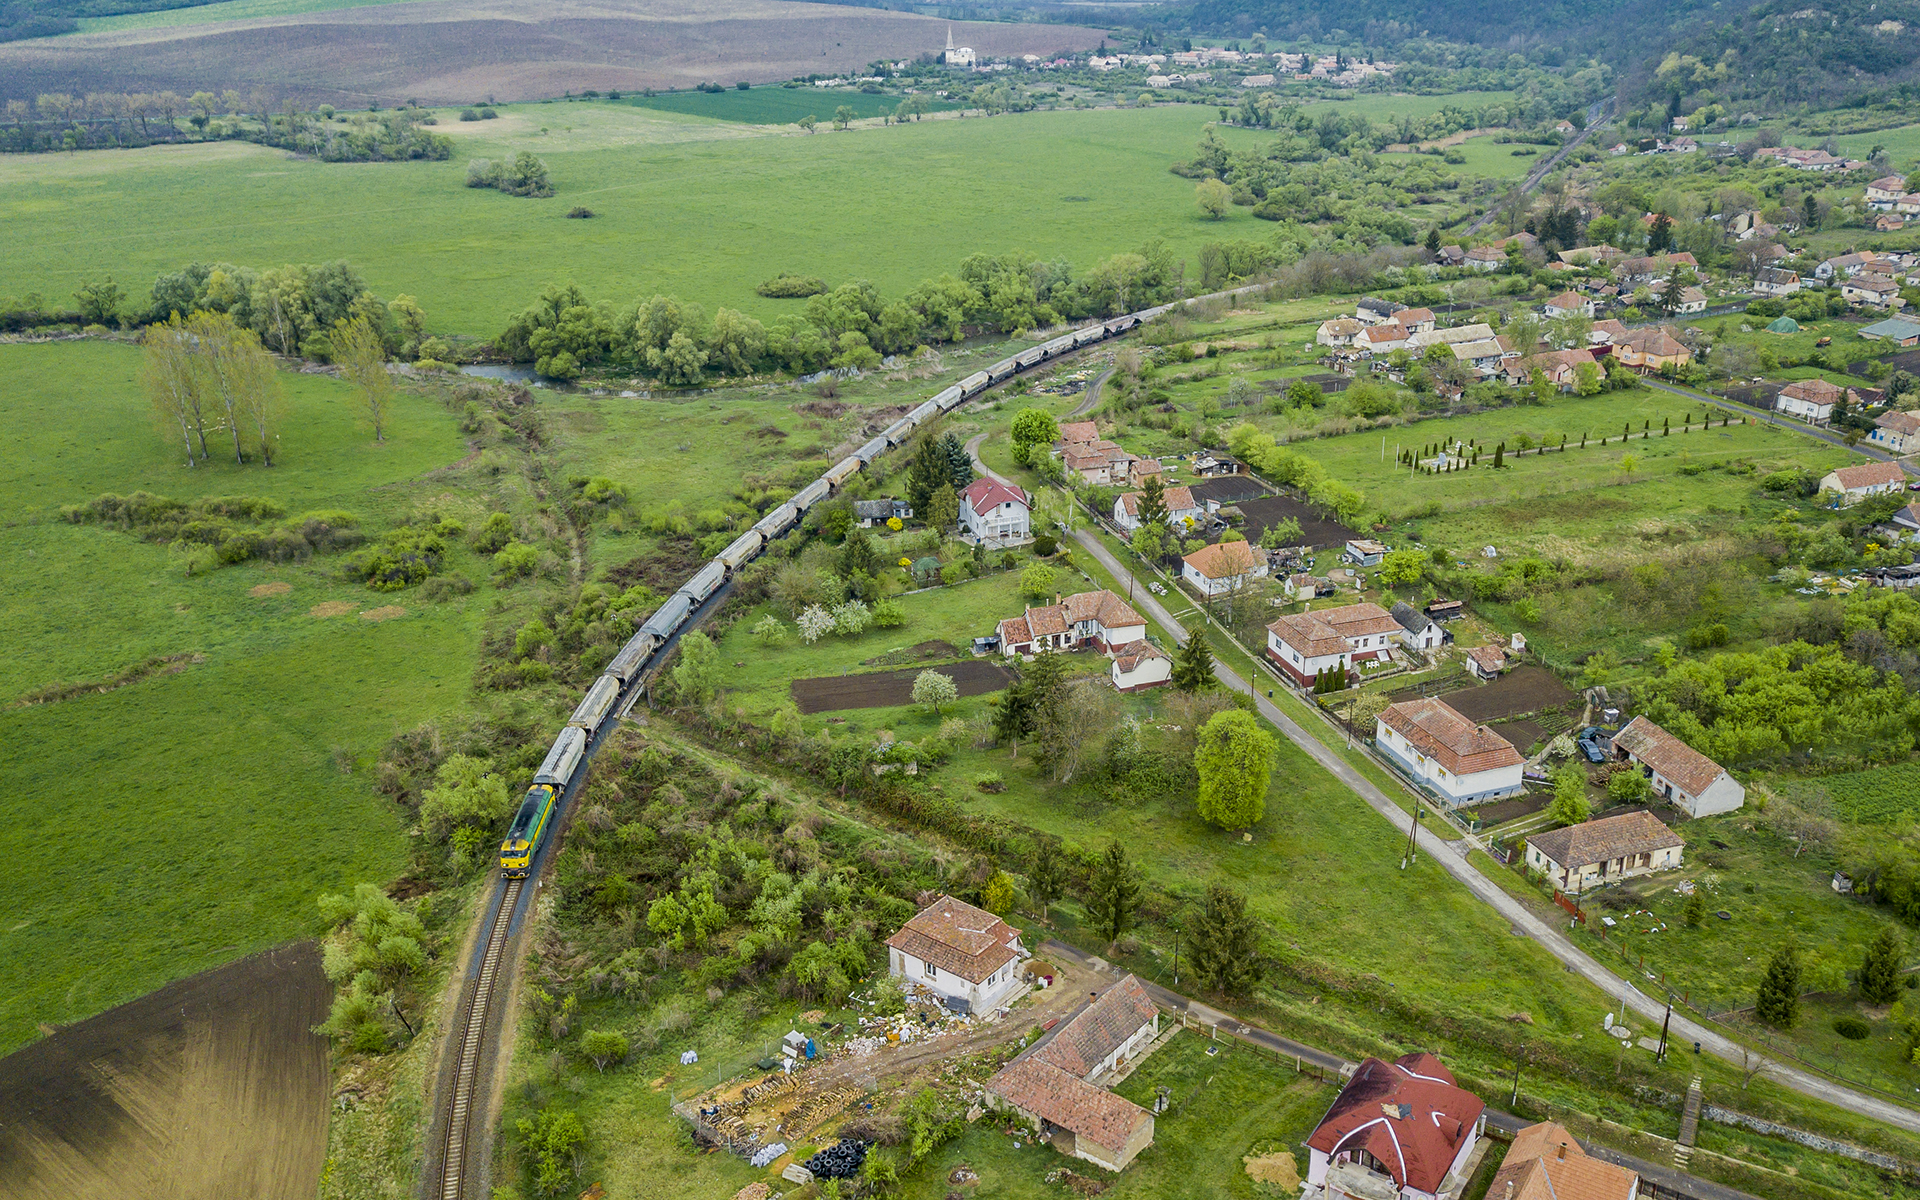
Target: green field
x,y
225,10
775,105
699,208
1902,145
193,818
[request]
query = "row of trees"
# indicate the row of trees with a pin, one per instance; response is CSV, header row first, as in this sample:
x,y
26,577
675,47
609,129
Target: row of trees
x,y
209,377
849,326
58,121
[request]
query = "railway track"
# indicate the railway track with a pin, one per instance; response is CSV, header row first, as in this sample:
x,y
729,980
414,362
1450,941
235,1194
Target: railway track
x,y
472,1035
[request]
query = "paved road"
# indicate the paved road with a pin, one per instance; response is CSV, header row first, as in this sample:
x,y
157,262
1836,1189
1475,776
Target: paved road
x,y
1516,914
1909,465
1539,173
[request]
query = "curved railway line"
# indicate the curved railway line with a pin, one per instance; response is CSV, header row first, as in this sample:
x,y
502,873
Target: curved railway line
x,y
459,1136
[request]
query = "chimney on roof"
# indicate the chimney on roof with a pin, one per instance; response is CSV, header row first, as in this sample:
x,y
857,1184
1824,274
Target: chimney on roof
x,y
1056,597
1562,1156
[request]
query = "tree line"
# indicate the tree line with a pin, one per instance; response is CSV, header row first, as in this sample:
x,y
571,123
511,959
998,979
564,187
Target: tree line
x,y
57,121
849,326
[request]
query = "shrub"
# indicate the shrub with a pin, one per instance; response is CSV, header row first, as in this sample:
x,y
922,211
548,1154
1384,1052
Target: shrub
x,y
791,287
1852,1028
580,213
1045,544
469,114
445,587
990,782
515,560
493,536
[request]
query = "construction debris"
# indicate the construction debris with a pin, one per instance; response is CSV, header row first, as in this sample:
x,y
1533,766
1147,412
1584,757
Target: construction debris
x,y
765,1155
839,1161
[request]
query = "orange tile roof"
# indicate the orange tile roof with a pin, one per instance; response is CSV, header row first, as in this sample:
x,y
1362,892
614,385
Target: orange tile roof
x,y
1089,1112
958,938
1318,634
1435,729
1222,560
1871,475
1693,771
1545,1162
1103,606
1079,431
1100,1028
1176,499
1577,846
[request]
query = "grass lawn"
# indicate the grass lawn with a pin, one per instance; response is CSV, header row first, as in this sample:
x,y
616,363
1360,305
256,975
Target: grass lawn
x,y
1497,160
776,105
1223,1108
196,816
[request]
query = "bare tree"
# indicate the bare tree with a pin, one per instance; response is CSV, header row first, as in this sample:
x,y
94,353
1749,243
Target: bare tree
x,y
363,359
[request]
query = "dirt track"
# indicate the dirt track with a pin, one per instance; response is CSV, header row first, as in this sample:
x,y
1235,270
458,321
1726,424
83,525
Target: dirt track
x,y
890,689
208,1089
460,51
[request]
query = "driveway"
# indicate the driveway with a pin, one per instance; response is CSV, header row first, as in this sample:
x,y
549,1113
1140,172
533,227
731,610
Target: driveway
x,y
1512,911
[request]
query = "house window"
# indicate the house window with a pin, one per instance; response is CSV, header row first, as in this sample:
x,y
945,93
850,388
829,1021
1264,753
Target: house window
x,y
929,970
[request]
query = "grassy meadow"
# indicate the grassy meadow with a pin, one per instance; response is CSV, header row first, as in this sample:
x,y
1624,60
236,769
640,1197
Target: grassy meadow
x,y
702,208
193,817
775,105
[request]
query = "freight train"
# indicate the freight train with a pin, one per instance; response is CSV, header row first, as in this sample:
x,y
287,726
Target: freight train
x,y
657,630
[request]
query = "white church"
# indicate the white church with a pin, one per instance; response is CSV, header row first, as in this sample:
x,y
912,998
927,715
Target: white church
x,y
960,57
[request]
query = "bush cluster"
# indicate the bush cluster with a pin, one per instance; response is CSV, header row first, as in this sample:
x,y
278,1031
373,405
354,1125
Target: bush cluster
x,y
221,530
403,558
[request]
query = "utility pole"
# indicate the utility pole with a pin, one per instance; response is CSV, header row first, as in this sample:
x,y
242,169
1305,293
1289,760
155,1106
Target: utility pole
x,y
1413,827
1665,1023
1176,956
1513,1101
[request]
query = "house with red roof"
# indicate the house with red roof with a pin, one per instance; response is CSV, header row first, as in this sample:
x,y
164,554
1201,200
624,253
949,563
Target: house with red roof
x,y
1056,1084
1305,644
970,957
996,512
1085,620
1545,1162
1223,567
1460,761
1404,1129
1692,782
1854,484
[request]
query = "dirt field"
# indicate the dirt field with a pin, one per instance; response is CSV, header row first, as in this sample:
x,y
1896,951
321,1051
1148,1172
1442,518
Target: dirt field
x,y
459,51
890,689
1315,530
1524,690
210,1088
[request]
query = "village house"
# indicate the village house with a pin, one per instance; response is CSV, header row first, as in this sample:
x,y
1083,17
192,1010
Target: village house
x,y
1650,350
1586,256
1901,331
878,512
1415,320
1222,567
1478,332
1054,1084
1898,432
1545,1162
966,954
1845,266
1100,620
1686,778
1606,332
996,512
1905,522
1210,464
1463,762
1422,631
1183,511
1403,1130
1139,665
1338,332
1486,258
1854,484
1881,193
1452,255
1692,299
1076,432
1382,339
1875,291
1811,400
1483,356
1308,643
1364,552
1578,858
1486,662
1142,469
1774,281
1567,304
1560,367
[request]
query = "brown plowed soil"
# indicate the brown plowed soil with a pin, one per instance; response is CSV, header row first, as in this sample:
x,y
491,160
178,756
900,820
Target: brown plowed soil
x,y
210,1088
1523,690
1315,530
460,51
890,689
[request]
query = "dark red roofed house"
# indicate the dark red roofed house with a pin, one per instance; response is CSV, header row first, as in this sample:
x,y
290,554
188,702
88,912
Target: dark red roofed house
x,y
1056,1083
1402,1130
996,512
966,954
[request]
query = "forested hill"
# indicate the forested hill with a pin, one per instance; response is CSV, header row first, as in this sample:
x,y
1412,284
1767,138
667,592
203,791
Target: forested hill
x,y
1611,29
1782,52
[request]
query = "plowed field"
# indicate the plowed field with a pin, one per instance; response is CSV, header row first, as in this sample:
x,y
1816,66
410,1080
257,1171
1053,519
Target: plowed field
x,y
891,689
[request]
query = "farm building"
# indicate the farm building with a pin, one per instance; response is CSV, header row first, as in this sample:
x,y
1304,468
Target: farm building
x,y
1140,665
966,954
1901,331
1579,857
1340,331
996,512
1853,484
1312,642
1306,587
1697,785
1100,620
1055,1083
878,512
1183,510
1222,567
1486,662
1462,762
1364,552
1422,631
1546,1163
1403,1129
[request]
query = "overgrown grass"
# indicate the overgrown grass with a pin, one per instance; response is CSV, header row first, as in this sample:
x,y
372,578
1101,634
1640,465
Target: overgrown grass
x,y
190,818
775,105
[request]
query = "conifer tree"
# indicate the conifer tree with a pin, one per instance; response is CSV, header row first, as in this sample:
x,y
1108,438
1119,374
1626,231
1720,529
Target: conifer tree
x,y
1113,893
1222,938
1880,970
1193,665
1778,1002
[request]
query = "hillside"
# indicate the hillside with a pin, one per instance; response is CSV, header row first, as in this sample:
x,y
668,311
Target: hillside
x,y
1779,53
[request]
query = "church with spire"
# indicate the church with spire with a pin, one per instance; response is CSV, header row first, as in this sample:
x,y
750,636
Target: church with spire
x,y
957,57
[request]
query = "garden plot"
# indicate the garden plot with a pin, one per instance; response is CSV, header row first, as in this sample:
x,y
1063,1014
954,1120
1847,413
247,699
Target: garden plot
x,y
1315,530
1524,690
892,689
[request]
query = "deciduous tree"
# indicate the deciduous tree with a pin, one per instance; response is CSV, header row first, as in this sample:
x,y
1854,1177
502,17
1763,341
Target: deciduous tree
x,y
933,689
697,675
1032,427
1234,760
1213,197
362,355
1569,806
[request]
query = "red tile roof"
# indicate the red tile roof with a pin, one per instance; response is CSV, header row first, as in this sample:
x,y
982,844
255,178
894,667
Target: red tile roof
x,y
1222,560
1432,727
1692,771
1079,431
1129,659
1090,1113
1103,606
1177,499
1318,634
1545,1162
984,494
1409,1114
1100,1028
1577,846
958,938
1814,391
1871,475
